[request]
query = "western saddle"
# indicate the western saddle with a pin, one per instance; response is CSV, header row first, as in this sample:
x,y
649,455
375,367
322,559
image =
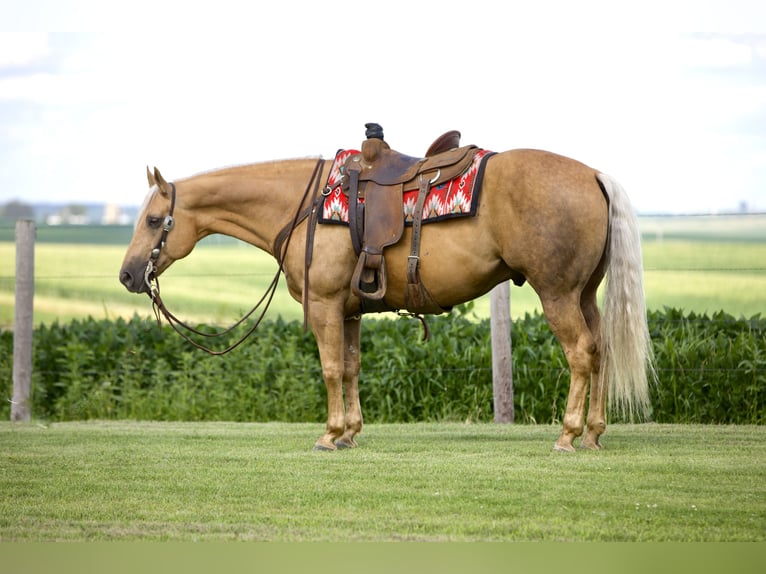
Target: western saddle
x,y
375,181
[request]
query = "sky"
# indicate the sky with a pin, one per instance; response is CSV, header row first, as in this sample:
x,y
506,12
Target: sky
x,y
669,97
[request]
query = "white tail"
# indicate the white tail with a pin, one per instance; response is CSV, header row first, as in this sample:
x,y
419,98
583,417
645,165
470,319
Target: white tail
x,y
627,360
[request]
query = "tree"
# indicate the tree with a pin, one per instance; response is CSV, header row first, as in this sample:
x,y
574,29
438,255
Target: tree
x,y
16,209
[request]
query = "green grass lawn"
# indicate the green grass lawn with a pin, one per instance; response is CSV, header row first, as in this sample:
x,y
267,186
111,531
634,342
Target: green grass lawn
x,y
418,482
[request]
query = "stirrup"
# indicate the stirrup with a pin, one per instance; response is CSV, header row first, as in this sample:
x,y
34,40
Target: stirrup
x,y
369,282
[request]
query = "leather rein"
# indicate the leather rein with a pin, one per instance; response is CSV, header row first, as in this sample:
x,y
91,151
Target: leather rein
x,y
281,244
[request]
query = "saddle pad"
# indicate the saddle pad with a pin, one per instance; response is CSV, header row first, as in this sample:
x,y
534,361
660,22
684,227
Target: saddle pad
x,y
458,197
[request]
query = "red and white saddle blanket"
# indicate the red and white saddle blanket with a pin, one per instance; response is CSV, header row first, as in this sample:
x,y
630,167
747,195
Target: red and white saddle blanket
x,y
458,197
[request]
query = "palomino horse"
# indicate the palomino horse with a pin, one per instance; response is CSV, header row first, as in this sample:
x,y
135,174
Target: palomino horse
x,y
543,218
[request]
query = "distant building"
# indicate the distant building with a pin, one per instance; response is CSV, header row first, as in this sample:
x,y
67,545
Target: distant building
x,y
115,215
69,215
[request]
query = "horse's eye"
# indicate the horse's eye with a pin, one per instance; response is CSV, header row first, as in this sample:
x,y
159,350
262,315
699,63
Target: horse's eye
x,y
153,222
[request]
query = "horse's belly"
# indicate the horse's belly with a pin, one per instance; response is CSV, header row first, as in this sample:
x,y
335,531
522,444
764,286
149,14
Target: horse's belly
x,y
456,264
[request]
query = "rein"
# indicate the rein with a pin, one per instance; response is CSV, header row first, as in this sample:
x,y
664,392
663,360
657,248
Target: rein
x,y
179,326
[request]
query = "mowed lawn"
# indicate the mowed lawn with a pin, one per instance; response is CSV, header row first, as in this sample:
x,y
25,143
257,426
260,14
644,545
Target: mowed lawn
x,y
419,482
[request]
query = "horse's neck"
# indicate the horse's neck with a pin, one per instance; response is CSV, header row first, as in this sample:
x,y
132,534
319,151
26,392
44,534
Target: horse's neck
x,y
252,203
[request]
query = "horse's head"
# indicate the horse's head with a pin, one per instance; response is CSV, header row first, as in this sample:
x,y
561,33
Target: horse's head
x,y
162,235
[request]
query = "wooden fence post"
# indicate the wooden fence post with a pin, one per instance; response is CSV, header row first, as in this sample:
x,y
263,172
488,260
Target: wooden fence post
x,y
502,376
23,324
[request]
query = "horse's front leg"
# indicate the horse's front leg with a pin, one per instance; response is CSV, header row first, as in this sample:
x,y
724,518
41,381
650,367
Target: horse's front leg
x,y
351,367
328,332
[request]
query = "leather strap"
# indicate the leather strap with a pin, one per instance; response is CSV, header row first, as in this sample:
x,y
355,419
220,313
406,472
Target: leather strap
x,y
416,297
167,225
311,226
279,247
355,208
413,261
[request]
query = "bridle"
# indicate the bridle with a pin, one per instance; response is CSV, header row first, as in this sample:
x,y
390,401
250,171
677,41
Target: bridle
x,y
167,225
182,328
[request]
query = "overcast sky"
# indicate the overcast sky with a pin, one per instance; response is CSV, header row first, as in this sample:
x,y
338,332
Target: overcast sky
x,y
669,97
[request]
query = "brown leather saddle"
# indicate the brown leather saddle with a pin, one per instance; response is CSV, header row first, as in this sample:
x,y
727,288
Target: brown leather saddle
x,y
376,181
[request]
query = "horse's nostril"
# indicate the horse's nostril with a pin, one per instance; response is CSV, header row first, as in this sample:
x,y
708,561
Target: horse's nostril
x,y
126,278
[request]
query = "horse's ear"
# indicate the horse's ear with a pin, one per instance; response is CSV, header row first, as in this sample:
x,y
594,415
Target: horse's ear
x,y
150,177
161,183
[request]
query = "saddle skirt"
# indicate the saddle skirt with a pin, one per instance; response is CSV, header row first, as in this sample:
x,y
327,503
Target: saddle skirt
x,y
457,197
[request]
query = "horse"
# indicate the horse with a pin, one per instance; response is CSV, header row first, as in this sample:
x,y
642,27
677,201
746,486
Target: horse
x,y
542,218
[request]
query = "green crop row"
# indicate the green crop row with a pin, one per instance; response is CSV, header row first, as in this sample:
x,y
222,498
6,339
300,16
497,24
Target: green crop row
x,y
712,369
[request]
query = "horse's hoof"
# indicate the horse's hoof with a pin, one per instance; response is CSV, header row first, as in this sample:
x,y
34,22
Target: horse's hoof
x,y
563,448
323,448
344,444
591,445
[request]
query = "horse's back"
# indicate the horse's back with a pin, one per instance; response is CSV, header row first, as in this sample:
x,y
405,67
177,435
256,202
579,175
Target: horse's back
x,y
541,186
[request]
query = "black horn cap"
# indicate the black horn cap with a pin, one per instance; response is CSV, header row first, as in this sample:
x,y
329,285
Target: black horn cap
x,y
374,131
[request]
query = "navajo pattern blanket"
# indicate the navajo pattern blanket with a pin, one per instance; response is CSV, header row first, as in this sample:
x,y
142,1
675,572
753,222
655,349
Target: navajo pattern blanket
x,y
458,197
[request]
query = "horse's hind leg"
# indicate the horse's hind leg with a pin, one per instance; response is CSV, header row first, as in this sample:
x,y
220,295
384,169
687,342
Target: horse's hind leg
x,y
596,424
351,367
568,324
